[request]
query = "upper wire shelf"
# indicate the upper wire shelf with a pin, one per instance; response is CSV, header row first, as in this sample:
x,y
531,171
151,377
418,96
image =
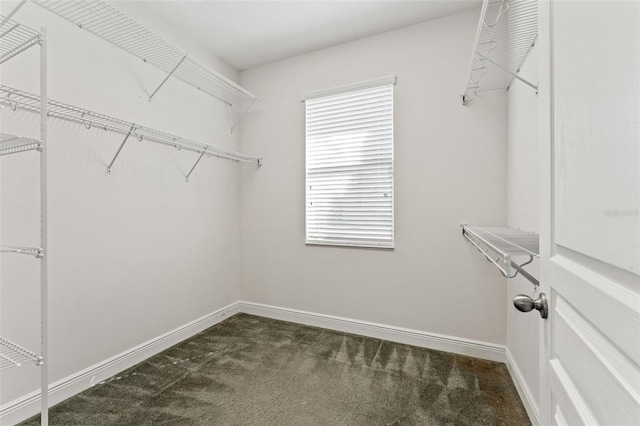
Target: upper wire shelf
x,y
10,144
506,32
15,38
500,244
118,29
15,99
14,355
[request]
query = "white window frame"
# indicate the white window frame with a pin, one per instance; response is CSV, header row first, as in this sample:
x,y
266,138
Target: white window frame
x,y
367,240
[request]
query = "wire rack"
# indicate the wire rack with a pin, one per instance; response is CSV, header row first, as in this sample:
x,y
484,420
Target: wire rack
x,y
15,38
19,99
507,31
500,244
10,144
14,355
31,251
118,29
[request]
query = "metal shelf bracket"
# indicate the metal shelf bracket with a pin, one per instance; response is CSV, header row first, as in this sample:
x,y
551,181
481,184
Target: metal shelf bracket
x,y
120,149
194,166
167,77
244,111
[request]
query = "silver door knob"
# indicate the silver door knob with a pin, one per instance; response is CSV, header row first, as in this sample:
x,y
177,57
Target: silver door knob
x,y
524,303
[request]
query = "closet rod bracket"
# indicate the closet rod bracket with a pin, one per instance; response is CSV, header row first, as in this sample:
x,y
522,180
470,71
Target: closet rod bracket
x,y
194,166
133,127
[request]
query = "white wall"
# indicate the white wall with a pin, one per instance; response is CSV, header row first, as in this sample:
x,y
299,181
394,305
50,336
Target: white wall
x,y
450,168
522,213
133,254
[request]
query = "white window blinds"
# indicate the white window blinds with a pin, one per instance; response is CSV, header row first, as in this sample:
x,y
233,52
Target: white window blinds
x,y
349,168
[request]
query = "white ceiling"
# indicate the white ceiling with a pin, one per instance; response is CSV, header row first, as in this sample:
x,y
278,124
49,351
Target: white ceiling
x,y
246,34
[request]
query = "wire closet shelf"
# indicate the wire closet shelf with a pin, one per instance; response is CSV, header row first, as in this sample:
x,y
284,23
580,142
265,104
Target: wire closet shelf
x,y
118,29
16,38
500,244
19,99
13,355
506,32
11,144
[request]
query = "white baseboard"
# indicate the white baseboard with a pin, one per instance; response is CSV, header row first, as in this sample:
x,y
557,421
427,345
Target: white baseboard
x,y
29,405
529,402
423,339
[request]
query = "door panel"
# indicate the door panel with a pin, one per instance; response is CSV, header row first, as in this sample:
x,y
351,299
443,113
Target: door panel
x,y
596,162
590,221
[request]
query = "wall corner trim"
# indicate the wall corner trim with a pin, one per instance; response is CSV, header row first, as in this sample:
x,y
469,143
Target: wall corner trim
x,y
22,408
478,349
528,400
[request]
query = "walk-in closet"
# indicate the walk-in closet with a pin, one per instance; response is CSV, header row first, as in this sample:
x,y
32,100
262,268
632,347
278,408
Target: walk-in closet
x,y
319,212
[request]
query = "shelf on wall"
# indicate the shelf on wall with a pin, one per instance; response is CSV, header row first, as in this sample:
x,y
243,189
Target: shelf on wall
x,y
118,29
500,244
31,251
15,38
13,355
506,32
11,144
19,99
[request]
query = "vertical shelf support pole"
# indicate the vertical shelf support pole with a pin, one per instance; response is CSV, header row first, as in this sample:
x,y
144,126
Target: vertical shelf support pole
x,y
120,149
194,166
167,77
44,260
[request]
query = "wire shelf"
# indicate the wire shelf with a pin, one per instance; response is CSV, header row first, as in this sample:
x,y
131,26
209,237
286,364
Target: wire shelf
x,y
15,38
507,31
10,144
13,355
18,99
500,244
31,251
118,29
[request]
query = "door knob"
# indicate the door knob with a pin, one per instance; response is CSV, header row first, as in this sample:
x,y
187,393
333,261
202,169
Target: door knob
x,y
524,303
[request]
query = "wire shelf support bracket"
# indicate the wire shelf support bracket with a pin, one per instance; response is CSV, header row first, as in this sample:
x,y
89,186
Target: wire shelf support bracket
x,y
506,33
113,26
133,127
500,244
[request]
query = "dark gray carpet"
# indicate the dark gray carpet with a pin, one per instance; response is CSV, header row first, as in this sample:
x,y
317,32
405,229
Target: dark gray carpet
x,y
251,370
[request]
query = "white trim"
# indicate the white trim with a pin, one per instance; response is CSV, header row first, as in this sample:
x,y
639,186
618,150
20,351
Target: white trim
x,y
349,87
529,402
474,348
27,406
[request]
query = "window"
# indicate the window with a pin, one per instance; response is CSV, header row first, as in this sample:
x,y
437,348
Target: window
x,y
349,166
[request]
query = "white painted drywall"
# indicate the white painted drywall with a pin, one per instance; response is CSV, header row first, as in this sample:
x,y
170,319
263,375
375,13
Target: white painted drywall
x,y
133,254
450,168
522,213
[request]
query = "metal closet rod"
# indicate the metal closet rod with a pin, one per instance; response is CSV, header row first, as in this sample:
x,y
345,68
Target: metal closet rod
x,y
504,244
15,99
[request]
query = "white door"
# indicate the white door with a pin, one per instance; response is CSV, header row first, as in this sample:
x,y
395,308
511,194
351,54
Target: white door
x,y
590,225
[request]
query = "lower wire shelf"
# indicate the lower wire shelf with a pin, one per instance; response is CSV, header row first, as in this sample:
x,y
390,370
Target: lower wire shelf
x,y
500,244
13,355
31,251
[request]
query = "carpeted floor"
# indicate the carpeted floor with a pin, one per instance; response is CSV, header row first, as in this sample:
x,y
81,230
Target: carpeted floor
x,y
251,370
